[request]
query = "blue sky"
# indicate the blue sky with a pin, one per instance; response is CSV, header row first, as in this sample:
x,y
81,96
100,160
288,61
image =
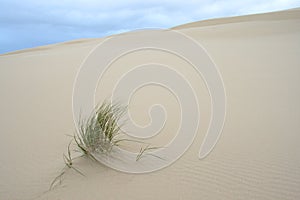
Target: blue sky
x,y
31,23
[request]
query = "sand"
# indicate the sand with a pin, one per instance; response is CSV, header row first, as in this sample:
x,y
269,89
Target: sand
x,y
256,157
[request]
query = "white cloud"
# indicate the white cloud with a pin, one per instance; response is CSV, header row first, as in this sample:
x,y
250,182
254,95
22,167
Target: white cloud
x,y
31,22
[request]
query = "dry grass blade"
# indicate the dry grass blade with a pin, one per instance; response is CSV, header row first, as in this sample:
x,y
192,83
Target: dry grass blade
x,y
57,180
145,152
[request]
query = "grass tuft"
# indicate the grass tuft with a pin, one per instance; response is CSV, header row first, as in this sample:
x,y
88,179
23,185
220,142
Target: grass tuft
x,y
98,134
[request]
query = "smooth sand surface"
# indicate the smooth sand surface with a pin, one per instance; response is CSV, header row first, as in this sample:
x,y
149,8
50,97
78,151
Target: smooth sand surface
x,y
256,157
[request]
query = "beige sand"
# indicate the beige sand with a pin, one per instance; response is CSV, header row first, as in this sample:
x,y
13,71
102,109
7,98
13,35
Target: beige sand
x,y
257,156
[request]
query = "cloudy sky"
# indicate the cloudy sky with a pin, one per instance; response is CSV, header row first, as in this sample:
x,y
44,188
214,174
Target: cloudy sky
x,y
31,23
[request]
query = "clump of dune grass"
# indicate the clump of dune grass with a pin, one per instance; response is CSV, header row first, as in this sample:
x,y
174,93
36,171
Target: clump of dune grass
x,y
96,135
99,133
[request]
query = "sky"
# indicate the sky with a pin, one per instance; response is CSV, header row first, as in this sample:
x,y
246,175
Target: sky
x,y
32,23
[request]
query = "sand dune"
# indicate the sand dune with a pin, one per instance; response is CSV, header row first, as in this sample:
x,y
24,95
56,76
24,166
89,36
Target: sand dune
x,y
256,157
272,16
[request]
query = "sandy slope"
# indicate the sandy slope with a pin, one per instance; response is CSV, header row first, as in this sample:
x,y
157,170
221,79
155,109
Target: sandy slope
x,y
257,156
